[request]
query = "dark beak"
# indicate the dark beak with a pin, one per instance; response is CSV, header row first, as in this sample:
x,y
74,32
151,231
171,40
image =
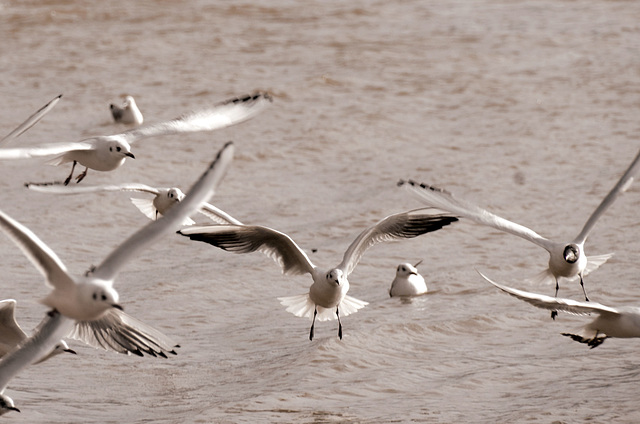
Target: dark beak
x,y
130,155
70,351
115,305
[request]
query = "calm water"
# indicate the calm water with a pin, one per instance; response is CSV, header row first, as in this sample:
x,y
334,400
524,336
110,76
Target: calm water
x,y
528,108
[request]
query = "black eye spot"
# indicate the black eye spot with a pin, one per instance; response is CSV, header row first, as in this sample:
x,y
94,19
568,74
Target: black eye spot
x,y
111,149
104,297
118,148
95,296
171,195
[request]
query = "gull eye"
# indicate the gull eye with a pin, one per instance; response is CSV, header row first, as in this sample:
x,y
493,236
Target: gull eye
x,y
104,297
118,148
171,195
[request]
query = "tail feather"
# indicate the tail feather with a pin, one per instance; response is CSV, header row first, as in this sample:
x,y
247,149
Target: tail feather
x,y
302,306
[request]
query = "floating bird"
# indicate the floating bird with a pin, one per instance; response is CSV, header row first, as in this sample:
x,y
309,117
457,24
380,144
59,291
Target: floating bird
x,y
622,322
11,335
31,121
566,259
163,199
327,297
106,153
408,281
128,113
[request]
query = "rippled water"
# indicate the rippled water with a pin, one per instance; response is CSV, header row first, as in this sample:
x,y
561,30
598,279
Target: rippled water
x,y
527,108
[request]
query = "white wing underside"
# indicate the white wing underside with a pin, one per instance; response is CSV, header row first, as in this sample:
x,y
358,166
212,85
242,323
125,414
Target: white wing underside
x,y
547,277
302,306
149,210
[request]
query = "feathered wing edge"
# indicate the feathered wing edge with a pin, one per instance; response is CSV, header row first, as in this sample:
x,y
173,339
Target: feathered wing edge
x,y
118,332
146,207
302,306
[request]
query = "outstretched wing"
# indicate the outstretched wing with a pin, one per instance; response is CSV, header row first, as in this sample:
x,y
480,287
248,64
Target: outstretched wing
x,y
10,332
554,303
621,186
171,221
398,226
38,253
218,215
224,114
250,238
77,189
40,151
31,121
442,199
116,331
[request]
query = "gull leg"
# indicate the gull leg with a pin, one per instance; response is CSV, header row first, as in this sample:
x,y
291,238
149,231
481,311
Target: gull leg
x,y
315,312
81,176
339,324
583,289
554,314
66,182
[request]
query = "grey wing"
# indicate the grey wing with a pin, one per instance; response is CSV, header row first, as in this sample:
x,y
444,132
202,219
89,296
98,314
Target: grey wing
x,y
50,331
76,189
37,252
41,151
251,238
394,227
31,121
10,332
221,115
116,331
172,220
554,303
442,199
621,186
218,215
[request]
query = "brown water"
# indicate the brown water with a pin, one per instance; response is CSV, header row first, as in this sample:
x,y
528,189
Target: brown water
x,y
527,108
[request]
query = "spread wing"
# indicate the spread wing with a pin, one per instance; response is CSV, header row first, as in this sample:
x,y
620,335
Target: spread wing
x,y
40,151
31,121
554,303
38,253
621,186
217,215
442,199
10,332
394,227
116,331
171,221
250,238
77,189
221,115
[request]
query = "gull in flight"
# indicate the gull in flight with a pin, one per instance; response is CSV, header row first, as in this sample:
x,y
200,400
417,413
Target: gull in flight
x,y
106,153
622,322
327,297
566,259
31,121
128,113
87,307
408,281
163,199
11,335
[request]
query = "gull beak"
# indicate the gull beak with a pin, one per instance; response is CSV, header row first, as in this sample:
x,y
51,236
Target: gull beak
x,y
129,154
70,351
116,306
13,408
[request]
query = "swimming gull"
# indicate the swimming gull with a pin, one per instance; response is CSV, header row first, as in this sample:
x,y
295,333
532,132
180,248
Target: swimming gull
x,y
128,113
408,281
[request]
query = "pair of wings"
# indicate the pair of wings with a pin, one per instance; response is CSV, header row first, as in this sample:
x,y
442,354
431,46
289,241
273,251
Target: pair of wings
x,y
221,115
293,260
114,330
444,200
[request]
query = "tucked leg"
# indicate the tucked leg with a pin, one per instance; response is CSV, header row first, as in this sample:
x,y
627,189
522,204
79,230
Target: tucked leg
x,y
339,324
81,176
583,289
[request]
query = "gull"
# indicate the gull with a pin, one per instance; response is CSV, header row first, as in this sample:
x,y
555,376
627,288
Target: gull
x,y
163,199
566,259
128,113
106,153
622,322
87,307
11,335
31,121
327,297
408,281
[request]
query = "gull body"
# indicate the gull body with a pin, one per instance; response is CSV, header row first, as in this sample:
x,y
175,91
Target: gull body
x,y
163,199
12,335
128,113
622,322
31,121
107,153
408,281
327,298
566,259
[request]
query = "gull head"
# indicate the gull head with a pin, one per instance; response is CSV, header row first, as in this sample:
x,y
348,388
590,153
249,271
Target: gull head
x,y
120,148
336,277
95,298
406,269
61,347
7,405
571,253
